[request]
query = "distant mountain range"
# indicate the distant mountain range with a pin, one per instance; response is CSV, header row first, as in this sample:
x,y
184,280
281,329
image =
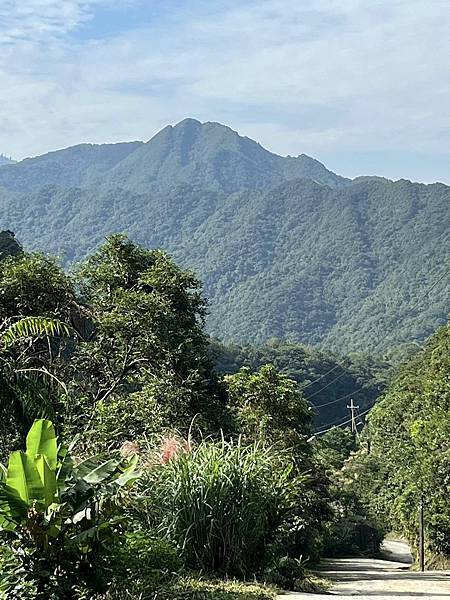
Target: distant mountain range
x,y
286,247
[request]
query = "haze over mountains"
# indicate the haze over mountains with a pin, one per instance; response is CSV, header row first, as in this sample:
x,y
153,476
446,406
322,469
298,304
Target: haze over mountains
x,y
286,247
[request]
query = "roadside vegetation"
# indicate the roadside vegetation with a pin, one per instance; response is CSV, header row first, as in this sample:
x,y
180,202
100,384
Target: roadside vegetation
x,y
405,452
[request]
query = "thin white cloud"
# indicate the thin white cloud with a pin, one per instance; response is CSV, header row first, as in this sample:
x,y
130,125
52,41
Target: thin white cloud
x,y
32,20
309,76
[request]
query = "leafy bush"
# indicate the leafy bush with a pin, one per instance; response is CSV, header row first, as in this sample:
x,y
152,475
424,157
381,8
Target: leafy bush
x,y
194,587
140,565
351,536
285,572
197,588
222,503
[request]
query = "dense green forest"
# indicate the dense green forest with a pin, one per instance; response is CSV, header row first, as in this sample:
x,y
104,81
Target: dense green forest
x,y
286,248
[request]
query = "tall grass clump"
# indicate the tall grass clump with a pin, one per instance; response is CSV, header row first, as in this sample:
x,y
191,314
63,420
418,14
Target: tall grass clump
x,y
222,502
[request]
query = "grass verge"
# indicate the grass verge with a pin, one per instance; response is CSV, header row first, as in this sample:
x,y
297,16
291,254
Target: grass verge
x,y
195,588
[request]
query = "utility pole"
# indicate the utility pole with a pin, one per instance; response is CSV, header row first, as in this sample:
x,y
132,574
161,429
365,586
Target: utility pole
x,y
421,536
353,410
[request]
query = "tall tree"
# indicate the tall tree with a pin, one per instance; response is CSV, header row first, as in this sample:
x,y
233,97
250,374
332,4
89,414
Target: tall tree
x,y
147,337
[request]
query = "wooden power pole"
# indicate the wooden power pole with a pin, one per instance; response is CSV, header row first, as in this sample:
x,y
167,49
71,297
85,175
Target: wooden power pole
x,y
353,410
421,536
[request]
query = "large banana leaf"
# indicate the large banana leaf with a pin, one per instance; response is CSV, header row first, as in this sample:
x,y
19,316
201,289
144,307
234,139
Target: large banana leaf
x,y
48,478
41,439
23,477
130,473
128,477
12,508
92,472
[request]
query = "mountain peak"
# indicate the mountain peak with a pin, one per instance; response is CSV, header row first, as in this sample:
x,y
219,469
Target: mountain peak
x,y
212,156
188,122
209,156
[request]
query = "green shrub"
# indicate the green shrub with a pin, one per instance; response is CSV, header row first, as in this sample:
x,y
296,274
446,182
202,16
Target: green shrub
x,y
193,587
198,588
352,535
139,565
285,572
222,503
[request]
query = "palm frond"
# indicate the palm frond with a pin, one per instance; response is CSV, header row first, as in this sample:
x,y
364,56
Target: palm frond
x,y
35,327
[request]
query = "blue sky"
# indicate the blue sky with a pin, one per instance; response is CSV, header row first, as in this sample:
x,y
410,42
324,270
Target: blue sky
x,y
362,85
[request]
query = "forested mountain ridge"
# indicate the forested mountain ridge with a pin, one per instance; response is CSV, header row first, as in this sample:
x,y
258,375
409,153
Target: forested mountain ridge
x,y
286,248
208,155
77,166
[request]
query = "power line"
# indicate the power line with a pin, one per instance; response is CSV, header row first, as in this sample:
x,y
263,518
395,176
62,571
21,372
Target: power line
x,y
345,372
447,272
339,399
336,422
405,266
321,377
333,425
440,278
352,419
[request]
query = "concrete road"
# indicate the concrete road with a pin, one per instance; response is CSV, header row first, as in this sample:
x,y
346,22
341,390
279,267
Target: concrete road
x,y
371,579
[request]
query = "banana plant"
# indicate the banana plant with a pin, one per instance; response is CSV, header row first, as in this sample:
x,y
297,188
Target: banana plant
x,y
30,479
45,497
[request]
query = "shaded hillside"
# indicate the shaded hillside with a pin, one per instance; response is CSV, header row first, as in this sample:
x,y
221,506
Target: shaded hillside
x,y
286,248
72,167
327,381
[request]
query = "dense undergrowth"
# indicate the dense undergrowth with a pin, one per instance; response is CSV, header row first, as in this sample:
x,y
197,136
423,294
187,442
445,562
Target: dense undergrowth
x,y
405,453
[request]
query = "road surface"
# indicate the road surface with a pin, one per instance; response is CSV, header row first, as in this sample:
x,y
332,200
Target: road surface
x,y
370,579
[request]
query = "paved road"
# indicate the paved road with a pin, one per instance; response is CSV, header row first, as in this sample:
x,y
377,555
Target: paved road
x,y
371,579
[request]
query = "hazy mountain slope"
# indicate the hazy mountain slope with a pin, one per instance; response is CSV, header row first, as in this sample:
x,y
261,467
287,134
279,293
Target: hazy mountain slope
x,y
285,247
211,156
75,166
